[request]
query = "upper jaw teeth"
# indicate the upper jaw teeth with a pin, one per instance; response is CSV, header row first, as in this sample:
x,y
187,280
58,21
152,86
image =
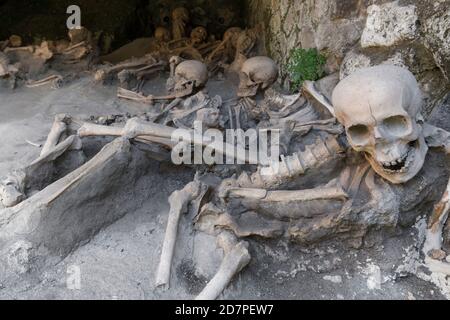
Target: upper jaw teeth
x,y
400,165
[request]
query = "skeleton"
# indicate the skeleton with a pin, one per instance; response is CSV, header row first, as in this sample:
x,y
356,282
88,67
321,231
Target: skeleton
x,y
41,51
257,74
81,46
245,43
188,102
138,68
180,17
401,131
225,51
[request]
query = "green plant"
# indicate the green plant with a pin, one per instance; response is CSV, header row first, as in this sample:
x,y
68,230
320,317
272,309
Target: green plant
x,y
305,64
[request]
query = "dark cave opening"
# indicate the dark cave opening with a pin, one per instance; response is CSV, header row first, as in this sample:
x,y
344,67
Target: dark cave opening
x,y
119,21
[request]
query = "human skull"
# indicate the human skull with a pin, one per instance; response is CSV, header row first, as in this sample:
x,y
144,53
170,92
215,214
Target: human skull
x,y
15,41
256,73
162,34
189,76
245,42
198,35
380,110
78,35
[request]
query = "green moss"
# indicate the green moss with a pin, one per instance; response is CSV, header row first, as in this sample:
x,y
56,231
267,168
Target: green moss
x,y
305,64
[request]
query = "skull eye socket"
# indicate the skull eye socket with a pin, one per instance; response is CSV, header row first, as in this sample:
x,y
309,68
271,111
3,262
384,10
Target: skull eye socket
x,y
359,134
397,125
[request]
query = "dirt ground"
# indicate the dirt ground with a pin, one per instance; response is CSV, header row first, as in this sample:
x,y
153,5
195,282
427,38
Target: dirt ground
x,y
120,262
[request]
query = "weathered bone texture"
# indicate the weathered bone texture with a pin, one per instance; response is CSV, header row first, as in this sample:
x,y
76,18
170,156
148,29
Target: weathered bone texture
x,y
236,258
50,221
152,132
12,189
180,17
190,76
225,51
382,119
245,43
257,73
433,239
149,62
179,202
58,128
54,80
314,156
81,45
309,87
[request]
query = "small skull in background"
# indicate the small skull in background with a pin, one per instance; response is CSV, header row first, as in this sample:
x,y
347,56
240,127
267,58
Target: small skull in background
x,y
198,36
257,73
380,110
190,76
78,35
15,41
162,34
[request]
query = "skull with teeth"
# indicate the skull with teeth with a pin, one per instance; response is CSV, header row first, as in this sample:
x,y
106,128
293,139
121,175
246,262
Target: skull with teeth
x,y
256,73
190,76
198,36
380,110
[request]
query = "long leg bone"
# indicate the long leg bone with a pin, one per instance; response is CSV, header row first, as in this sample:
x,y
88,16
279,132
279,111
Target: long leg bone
x,y
58,128
236,258
179,201
54,80
134,96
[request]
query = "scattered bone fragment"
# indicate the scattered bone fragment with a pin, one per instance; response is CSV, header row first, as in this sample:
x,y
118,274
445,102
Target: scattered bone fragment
x,y
58,128
54,80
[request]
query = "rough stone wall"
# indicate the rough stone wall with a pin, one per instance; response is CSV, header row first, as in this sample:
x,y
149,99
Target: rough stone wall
x,y
358,33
